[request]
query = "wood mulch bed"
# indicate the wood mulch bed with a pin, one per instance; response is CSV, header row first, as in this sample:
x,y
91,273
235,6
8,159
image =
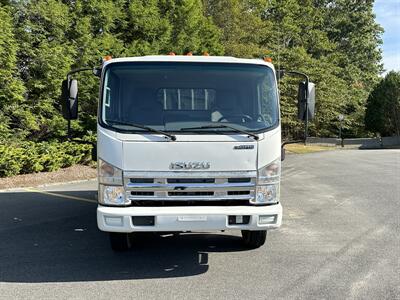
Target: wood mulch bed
x,y
77,172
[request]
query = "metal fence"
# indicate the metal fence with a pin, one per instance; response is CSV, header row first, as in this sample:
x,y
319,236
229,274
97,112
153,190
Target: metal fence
x,y
362,143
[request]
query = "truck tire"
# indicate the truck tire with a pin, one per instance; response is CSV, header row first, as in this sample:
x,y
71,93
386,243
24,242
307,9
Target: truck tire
x,y
120,241
254,239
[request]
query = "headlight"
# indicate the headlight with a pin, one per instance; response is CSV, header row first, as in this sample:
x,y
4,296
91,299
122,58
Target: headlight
x,y
108,174
270,173
111,190
267,194
268,177
112,195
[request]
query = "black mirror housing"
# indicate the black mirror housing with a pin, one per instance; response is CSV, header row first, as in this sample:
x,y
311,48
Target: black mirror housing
x,y
69,99
306,101
73,99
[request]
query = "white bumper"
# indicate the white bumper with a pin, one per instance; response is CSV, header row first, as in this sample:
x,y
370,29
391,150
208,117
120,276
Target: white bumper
x,y
191,218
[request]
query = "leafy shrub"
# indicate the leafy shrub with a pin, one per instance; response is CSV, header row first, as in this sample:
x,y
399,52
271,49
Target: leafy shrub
x,y
30,157
10,160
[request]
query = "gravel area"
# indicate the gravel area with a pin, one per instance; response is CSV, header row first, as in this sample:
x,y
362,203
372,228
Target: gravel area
x,y
77,172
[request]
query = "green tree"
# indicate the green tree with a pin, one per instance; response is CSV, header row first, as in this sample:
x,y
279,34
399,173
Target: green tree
x,y
297,40
334,41
192,31
383,106
159,27
242,28
351,26
337,44
44,57
97,30
11,87
134,28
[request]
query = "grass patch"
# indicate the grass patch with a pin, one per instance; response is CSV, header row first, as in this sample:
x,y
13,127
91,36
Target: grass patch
x,y
301,149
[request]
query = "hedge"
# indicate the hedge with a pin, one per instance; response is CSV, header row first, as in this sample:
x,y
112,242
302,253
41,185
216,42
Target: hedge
x,y
30,157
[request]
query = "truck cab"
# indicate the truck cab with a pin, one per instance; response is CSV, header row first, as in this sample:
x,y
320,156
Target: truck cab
x,y
188,143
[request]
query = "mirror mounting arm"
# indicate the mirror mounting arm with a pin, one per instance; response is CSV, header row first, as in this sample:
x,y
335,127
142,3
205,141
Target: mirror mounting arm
x,y
283,151
74,71
297,73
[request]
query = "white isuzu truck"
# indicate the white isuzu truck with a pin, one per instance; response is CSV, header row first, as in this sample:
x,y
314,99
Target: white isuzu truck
x,y
188,143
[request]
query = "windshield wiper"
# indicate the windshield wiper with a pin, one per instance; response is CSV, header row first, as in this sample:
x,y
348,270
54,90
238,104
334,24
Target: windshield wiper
x,y
171,136
210,126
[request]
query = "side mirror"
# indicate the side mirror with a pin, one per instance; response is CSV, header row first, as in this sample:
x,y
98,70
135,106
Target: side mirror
x,y
306,101
69,99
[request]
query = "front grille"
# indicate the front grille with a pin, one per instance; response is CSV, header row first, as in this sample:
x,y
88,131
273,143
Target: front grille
x,y
142,193
191,180
155,203
236,180
142,180
190,193
190,188
231,193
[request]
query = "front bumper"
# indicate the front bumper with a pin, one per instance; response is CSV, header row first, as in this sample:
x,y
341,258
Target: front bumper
x,y
189,218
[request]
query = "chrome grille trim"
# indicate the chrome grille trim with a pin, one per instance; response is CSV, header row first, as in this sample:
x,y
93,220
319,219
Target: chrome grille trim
x,y
188,174
193,198
220,190
189,186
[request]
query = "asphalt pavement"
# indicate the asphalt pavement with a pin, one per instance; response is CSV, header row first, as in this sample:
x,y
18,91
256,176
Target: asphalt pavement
x,y
339,240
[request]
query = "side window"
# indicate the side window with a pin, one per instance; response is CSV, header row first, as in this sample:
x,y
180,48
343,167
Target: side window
x,y
107,98
111,104
186,99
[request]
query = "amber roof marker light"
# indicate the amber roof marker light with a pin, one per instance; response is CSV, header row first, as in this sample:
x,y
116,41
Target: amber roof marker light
x,y
268,59
172,53
190,53
205,53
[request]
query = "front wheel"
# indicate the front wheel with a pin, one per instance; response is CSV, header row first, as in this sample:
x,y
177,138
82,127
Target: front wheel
x,y
254,239
120,241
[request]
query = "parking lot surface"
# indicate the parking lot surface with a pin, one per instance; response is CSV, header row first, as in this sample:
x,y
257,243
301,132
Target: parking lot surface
x,y
339,240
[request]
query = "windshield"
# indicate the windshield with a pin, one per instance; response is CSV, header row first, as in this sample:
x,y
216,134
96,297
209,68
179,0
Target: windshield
x,y
188,97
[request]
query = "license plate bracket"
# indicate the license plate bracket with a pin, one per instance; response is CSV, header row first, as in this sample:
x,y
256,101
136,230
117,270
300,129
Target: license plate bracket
x,y
192,218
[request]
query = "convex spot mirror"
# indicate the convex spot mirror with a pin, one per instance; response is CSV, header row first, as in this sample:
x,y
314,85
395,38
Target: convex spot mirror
x,y
69,99
306,101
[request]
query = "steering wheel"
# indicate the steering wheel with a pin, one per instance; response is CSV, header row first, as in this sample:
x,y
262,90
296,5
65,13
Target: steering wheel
x,y
244,118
